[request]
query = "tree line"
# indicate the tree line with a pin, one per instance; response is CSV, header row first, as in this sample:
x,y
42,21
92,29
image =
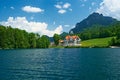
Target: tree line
x,y
15,38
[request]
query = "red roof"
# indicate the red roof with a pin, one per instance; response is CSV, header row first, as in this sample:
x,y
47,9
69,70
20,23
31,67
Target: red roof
x,y
73,37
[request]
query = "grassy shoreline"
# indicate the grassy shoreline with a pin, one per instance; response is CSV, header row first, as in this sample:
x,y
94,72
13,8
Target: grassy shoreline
x,y
97,43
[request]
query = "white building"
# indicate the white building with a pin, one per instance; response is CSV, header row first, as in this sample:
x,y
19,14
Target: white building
x,y
70,41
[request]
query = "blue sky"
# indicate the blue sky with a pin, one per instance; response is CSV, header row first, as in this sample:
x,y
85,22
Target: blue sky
x,y
52,16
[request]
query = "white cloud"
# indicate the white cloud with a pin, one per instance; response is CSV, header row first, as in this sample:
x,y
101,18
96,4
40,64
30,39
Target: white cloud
x,y
58,6
66,5
29,26
31,9
62,11
110,8
63,8
12,7
58,30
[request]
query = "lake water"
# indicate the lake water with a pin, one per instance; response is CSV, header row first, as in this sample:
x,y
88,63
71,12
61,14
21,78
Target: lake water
x,y
60,64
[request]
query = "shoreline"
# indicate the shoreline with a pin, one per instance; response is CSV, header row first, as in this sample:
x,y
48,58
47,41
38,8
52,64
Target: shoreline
x,y
63,47
114,46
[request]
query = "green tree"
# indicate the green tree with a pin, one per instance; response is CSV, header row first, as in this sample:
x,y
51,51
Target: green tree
x,y
3,38
56,38
21,39
32,40
43,42
10,37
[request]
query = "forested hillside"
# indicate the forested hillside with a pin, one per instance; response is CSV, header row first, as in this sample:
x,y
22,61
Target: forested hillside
x,y
93,19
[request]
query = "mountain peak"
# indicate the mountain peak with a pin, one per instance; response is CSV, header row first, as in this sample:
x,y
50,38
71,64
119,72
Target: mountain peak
x,y
93,19
95,15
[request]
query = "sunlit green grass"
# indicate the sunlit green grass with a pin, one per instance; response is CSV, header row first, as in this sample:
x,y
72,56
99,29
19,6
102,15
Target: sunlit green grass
x,y
99,42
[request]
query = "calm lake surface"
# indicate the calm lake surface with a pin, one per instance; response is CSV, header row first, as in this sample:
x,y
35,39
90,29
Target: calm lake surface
x,y
60,64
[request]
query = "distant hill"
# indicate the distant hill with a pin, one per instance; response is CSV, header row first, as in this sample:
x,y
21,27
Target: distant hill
x,y
63,35
93,19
